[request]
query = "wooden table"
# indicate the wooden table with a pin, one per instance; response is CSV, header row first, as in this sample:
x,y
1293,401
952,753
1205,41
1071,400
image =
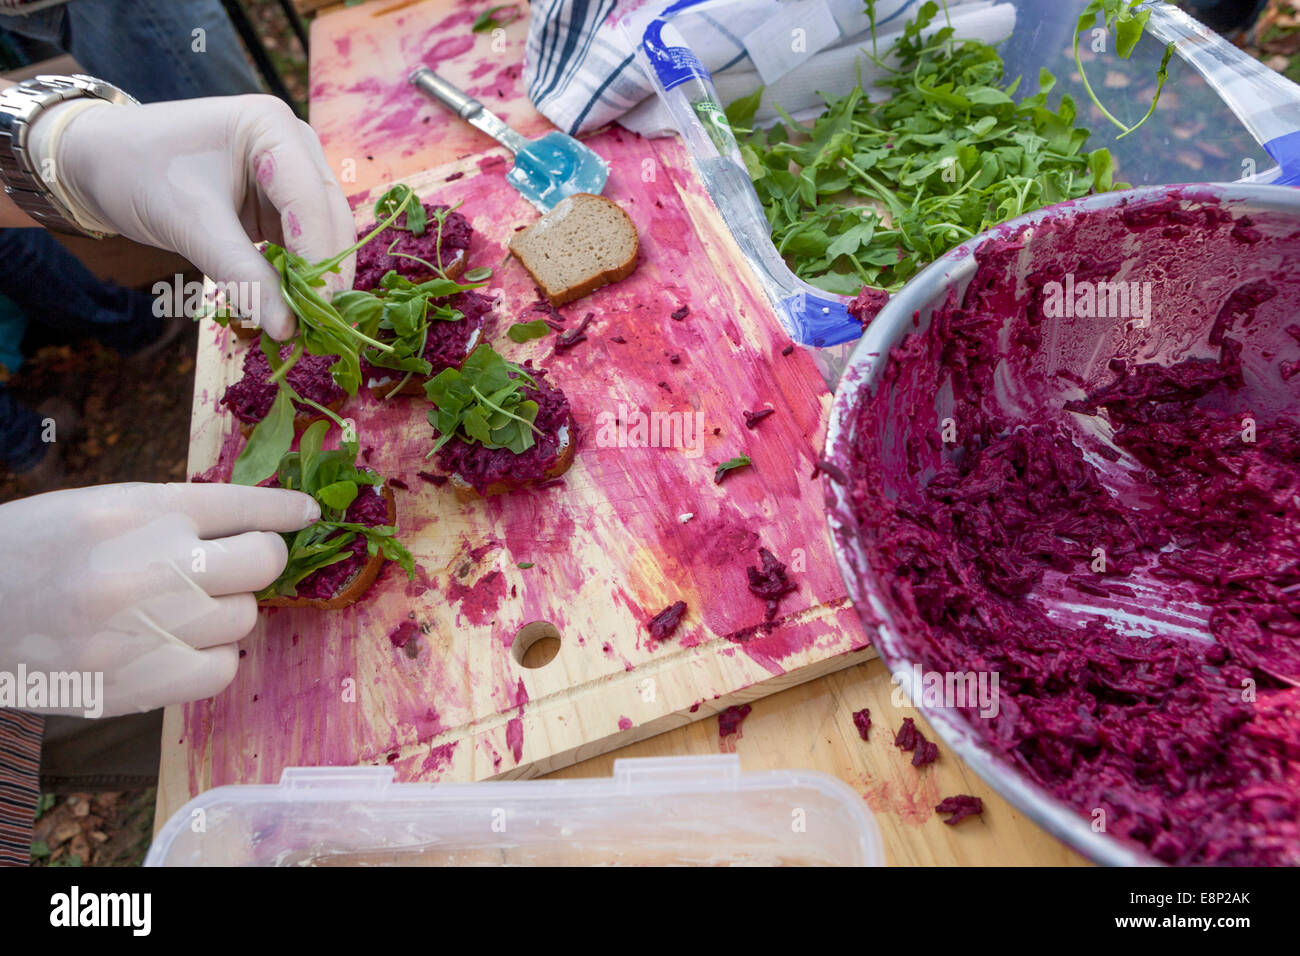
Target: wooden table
x,y
806,726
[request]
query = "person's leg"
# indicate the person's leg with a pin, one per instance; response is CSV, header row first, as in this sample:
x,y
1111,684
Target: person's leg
x,y
160,49
62,298
21,447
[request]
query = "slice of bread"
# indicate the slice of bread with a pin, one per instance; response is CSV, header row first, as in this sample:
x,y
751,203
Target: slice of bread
x,y
467,492
585,242
359,584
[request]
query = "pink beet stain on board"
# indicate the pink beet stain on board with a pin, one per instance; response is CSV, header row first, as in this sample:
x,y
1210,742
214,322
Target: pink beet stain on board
x,y
705,557
448,48
729,722
478,602
439,758
624,723
515,737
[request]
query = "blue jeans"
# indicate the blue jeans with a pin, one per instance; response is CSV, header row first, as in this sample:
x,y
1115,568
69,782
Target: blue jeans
x,y
147,47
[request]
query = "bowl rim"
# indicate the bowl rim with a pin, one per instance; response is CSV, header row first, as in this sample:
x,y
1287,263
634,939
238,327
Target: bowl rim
x,y
863,368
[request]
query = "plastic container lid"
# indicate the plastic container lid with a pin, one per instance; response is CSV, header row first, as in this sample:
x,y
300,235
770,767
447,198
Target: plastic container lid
x,y
659,812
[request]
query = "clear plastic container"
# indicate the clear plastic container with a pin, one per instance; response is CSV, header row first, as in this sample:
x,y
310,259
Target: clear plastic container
x,y
656,812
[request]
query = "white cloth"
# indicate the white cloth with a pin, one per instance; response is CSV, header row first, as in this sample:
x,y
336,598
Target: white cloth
x,y
580,71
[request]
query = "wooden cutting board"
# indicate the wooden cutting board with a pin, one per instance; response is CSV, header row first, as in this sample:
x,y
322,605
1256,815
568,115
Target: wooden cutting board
x,y
608,548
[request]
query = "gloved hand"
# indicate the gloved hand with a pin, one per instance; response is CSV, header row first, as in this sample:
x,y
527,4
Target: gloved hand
x,y
148,584
205,178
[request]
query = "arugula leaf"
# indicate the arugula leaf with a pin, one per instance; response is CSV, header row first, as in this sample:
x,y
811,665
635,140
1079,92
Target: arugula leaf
x,y
1128,22
740,112
487,19
483,402
268,443
395,200
526,331
731,464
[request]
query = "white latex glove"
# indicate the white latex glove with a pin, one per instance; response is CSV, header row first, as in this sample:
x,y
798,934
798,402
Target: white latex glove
x,y
149,585
205,178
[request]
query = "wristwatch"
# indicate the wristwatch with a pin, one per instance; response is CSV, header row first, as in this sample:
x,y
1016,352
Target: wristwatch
x,y
20,106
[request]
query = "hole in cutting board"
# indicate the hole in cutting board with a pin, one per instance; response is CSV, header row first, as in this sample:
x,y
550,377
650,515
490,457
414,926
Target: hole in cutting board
x,y
536,644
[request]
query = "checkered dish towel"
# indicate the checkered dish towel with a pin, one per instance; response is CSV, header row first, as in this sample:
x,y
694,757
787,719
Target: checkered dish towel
x,y
580,71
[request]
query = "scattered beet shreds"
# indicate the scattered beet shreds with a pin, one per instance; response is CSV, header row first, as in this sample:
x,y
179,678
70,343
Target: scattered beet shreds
x,y
681,313
753,418
862,721
431,478
909,738
573,337
663,624
769,581
961,806
867,305
403,633
729,720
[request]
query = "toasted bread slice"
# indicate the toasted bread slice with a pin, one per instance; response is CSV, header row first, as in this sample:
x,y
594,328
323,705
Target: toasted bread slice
x,y
585,242
466,492
358,586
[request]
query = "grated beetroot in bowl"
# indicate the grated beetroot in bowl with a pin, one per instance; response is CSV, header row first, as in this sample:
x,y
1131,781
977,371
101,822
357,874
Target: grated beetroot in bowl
x,y
250,398
368,508
1191,747
482,467
373,260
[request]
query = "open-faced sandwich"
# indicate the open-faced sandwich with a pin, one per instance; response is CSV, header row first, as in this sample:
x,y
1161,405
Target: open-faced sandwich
x,y
431,243
499,426
251,398
333,562
427,334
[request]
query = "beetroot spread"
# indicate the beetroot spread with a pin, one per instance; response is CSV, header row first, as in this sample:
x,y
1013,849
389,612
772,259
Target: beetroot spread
x,y
1105,512
447,343
368,508
481,466
373,259
250,398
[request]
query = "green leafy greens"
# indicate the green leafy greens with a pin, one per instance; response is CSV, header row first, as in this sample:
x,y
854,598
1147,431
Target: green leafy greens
x,y
487,20
873,191
483,402
333,479
731,464
1127,22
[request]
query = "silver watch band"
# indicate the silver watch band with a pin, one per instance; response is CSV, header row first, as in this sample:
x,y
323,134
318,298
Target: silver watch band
x,y
20,106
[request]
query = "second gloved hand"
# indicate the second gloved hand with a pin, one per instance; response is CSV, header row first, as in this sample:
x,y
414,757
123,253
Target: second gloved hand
x,y
205,178
148,586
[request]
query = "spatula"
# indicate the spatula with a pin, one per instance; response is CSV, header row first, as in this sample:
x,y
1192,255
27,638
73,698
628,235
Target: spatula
x,y
546,169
